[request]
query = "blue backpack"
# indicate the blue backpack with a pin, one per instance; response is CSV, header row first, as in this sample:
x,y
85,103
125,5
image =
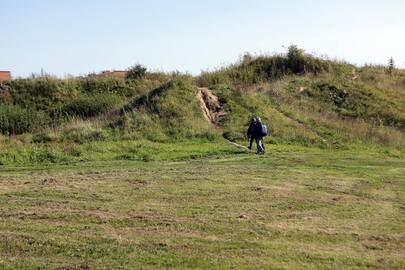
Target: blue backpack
x,y
264,130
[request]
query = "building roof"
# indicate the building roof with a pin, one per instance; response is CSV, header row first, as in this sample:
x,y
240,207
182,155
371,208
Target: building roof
x,y
5,75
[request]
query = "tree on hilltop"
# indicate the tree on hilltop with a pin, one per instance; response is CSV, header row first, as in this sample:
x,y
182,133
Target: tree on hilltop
x,y
136,72
391,66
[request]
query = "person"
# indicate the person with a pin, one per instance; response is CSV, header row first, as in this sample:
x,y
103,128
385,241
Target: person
x,y
254,133
250,132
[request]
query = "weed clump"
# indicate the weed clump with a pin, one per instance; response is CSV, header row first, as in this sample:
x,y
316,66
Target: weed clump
x,y
44,137
82,131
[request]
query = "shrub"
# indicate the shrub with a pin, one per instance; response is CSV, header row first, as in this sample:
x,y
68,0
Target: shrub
x,y
17,120
45,155
81,132
298,62
90,105
41,93
391,66
106,85
136,72
44,137
332,93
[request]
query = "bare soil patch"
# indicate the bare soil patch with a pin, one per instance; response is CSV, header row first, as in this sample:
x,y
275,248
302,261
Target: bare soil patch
x,y
211,107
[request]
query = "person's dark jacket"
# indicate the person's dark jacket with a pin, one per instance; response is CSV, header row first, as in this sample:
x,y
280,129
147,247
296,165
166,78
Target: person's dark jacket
x,y
254,130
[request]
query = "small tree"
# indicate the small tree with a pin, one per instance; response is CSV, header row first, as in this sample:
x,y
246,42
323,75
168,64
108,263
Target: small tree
x,y
296,59
247,58
136,72
391,66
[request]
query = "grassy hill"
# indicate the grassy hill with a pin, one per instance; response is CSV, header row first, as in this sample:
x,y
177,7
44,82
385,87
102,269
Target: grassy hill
x,y
305,100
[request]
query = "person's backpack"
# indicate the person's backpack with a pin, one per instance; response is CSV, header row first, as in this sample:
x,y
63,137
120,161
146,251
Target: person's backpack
x,y
264,130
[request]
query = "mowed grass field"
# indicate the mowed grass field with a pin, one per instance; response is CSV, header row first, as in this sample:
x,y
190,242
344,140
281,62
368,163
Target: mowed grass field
x,y
288,209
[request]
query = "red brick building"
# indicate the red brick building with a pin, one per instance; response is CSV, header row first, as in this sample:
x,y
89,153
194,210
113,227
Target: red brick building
x,y
5,75
114,73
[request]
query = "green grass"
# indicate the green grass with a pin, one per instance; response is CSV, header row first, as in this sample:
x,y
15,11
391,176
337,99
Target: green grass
x,y
18,153
294,208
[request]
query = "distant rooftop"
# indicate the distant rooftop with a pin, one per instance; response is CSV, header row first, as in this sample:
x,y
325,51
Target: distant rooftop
x,y
111,73
5,75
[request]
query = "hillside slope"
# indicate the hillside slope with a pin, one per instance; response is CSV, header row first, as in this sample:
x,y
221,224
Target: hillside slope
x,y
305,101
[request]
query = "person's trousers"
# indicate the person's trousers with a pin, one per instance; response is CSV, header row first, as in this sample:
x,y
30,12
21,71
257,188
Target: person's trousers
x,y
260,145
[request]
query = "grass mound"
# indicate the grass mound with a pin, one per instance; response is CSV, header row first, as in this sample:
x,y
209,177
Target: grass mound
x,y
171,111
304,100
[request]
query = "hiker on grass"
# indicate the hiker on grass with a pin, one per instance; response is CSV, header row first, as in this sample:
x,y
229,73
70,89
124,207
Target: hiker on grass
x,y
256,131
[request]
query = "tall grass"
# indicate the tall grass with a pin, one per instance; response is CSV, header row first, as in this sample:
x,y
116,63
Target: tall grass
x,y
35,103
15,119
90,105
257,69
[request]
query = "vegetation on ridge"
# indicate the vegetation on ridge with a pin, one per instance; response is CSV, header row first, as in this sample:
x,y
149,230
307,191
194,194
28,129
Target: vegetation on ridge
x,y
305,100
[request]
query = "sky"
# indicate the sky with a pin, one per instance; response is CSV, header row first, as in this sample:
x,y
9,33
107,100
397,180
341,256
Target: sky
x,y
78,37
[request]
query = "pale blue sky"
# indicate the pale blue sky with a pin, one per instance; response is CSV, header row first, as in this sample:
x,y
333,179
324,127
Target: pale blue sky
x,y
78,37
